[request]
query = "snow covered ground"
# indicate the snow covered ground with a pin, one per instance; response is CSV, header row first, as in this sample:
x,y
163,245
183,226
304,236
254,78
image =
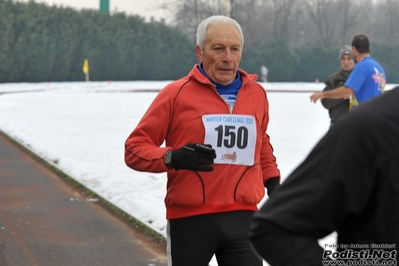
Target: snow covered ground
x,y
81,128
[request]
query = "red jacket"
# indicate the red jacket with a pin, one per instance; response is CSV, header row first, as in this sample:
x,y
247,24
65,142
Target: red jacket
x,y
175,116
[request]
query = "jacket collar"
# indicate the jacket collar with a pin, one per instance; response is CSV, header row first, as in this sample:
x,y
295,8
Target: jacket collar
x,y
196,74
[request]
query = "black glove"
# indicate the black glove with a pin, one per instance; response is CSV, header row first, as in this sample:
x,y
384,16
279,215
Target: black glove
x,y
193,156
271,184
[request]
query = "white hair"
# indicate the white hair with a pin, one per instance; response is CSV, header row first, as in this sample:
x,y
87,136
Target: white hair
x,y
213,20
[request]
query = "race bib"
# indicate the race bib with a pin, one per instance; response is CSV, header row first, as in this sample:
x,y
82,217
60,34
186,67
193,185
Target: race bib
x,y
232,136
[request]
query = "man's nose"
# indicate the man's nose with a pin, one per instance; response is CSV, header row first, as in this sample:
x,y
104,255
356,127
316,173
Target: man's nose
x,y
228,55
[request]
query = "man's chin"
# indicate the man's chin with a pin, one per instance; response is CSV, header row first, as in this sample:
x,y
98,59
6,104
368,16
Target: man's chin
x,y
225,80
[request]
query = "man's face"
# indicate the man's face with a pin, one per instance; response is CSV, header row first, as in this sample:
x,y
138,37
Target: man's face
x,y
355,53
222,53
347,63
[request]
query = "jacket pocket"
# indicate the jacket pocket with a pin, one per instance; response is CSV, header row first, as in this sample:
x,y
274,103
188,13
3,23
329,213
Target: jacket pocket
x,y
185,190
250,188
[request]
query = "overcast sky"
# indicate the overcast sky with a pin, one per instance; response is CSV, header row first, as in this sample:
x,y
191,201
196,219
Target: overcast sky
x,y
143,8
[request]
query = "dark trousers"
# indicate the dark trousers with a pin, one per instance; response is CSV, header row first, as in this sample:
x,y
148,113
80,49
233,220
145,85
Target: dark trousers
x,y
192,241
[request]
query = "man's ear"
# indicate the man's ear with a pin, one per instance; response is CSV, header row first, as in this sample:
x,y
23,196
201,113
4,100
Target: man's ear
x,y
198,51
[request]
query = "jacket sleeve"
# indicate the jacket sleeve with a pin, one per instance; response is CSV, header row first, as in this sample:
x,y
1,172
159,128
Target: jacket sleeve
x,y
266,237
334,181
143,151
330,103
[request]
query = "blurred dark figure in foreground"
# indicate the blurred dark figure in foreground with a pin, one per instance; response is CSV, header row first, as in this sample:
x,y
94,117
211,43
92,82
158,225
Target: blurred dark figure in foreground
x,y
348,184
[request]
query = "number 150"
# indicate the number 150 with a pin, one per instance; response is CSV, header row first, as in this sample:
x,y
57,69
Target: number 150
x,y
229,136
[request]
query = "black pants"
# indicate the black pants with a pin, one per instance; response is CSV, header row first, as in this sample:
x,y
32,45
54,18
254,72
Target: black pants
x,y
194,240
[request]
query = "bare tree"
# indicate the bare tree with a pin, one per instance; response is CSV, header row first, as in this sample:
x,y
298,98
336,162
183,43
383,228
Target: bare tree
x,y
387,13
187,14
332,19
393,17
328,22
252,21
282,13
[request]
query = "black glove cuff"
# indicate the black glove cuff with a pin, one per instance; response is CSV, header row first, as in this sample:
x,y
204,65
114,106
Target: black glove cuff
x,y
271,184
192,156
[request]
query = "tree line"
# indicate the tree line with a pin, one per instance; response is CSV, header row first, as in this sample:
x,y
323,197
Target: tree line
x,y
42,43
325,22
